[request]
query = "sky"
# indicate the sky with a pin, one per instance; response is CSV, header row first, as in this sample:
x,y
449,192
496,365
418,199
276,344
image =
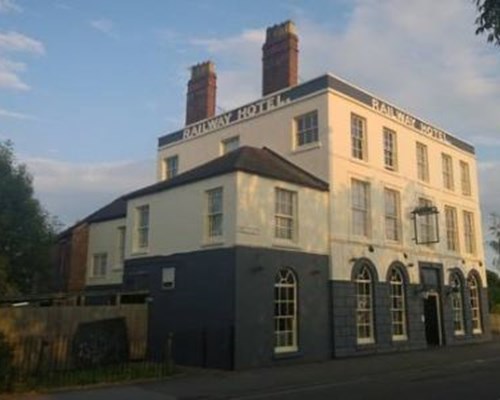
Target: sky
x,y
87,86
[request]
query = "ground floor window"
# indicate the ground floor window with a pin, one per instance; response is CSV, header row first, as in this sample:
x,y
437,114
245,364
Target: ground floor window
x,y
457,304
475,304
398,305
364,305
285,311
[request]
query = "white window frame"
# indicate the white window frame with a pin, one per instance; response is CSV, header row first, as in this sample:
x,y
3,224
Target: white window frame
x,y
360,207
171,166
390,149
422,162
451,224
285,312
398,305
470,245
306,129
285,214
230,144
120,246
475,304
142,227
99,265
392,215
364,306
214,213
457,305
465,178
359,147
447,164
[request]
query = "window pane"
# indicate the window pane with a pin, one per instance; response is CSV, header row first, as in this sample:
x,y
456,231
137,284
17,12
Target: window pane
x,y
307,128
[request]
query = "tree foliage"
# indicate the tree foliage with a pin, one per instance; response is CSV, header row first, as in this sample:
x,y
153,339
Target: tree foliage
x,y
494,243
26,230
488,20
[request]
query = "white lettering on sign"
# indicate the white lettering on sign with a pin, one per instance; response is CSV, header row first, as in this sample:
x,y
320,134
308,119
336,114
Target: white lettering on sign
x,y
400,116
231,117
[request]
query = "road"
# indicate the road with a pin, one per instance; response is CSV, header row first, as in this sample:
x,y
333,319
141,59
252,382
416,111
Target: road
x,y
465,372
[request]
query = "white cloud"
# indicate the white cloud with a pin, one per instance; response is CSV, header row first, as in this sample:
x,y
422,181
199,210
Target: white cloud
x,y
71,191
7,6
103,25
15,42
14,115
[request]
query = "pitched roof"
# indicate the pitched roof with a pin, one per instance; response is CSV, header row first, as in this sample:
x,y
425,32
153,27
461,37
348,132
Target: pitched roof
x,y
263,162
114,210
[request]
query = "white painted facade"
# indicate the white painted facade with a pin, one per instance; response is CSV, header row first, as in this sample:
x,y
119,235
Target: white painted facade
x,y
330,159
104,238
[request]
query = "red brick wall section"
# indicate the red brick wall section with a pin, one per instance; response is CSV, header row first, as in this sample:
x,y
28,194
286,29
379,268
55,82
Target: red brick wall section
x,y
78,258
280,58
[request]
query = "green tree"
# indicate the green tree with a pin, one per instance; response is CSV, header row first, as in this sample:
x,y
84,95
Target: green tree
x,y
488,20
26,230
494,243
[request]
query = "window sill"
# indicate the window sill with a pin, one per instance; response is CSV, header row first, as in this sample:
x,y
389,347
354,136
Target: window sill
x,y
291,245
213,243
365,342
139,253
399,339
306,147
285,355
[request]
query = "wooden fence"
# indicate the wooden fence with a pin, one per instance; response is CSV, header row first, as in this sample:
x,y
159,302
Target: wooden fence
x,y
47,332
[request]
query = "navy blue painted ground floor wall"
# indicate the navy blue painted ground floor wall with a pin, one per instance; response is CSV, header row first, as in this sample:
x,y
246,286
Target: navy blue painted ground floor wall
x,y
221,309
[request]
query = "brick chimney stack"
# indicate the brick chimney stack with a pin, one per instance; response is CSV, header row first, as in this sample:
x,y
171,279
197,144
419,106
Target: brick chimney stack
x,y
280,57
201,92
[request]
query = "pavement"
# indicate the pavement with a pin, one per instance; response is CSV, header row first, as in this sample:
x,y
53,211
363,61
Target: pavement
x,y
463,372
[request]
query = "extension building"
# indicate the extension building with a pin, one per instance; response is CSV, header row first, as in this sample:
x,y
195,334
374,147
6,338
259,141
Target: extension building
x,y
318,221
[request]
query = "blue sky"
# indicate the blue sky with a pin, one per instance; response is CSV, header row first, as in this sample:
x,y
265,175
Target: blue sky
x,y
87,86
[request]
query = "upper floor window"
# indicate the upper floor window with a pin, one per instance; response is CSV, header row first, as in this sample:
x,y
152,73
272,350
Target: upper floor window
x,y
215,212
358,137
448,181
171,165
99,265
469,233
360,207
285,209
450,215
142,227
422,162
390,149
230,144
465,178
306,127
121,244
392,215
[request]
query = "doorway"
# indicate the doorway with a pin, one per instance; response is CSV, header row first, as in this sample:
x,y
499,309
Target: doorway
x,y
432,320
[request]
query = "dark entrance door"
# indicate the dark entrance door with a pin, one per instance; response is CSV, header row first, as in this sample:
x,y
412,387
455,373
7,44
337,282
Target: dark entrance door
x,y
432,320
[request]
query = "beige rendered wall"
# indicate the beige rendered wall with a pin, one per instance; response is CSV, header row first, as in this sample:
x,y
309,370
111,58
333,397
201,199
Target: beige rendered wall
x,y
345,245
274,129
255,215
103,238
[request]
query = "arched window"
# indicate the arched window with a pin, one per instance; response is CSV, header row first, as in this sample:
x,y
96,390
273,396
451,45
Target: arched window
x,y
364,305
475,304
285,311
398,304
457,304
